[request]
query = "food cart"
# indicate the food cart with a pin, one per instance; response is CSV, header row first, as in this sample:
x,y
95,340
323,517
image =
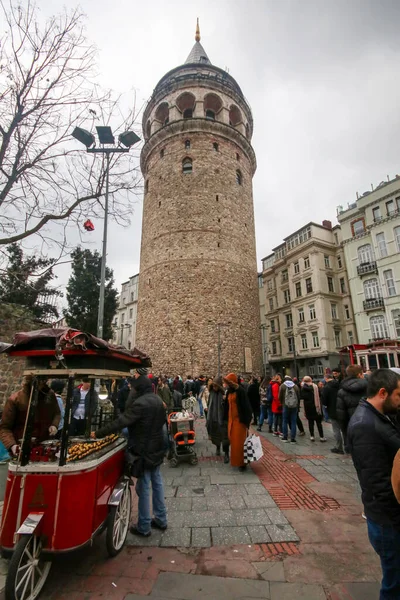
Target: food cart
x,y
61,493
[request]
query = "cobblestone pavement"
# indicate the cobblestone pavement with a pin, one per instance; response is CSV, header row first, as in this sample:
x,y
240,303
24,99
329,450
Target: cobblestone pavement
x,y
290,526
215,504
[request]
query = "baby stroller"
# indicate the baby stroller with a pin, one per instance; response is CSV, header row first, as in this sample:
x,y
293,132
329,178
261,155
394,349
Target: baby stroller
x,y
182,438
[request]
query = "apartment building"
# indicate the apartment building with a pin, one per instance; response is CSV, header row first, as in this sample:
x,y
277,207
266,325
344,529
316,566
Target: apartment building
x,y
309,314
124,324
263,328
371,245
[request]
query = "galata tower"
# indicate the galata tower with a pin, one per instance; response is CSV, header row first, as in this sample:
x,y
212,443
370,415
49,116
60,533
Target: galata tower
x,y
198,305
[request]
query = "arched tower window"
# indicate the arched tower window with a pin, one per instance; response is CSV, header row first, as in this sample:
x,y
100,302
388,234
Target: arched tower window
x,y
239,177
186,103
187,166
235,116
187,145
212,106
148,129
215,146
162,113
146,186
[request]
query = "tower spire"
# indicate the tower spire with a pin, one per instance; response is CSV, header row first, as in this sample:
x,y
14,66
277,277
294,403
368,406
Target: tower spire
x,y
197,36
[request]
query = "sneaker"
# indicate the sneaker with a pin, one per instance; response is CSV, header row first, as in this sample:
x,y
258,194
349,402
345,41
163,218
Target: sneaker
x,y
337,451
322,439
275,433
156,525
312,439
284,440
259,429
302,433
293,441
133,529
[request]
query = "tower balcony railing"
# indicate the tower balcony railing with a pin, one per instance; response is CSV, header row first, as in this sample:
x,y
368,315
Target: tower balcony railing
x,y
366,268
373,303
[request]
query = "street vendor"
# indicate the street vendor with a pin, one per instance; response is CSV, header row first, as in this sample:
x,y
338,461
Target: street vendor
x,y
46,419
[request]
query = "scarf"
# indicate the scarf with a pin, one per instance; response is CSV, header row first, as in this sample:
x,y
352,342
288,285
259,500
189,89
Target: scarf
x,y
317,400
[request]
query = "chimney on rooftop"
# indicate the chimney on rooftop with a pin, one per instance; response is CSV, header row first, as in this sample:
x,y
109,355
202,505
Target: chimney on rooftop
x,y
327,224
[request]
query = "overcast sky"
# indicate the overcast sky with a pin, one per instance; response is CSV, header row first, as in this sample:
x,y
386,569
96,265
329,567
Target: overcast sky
x,y
321,78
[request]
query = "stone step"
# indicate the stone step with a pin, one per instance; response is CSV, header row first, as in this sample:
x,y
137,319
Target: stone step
x,y
355,591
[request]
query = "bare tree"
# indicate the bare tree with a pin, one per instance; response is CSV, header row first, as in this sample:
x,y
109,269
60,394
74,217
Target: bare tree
x,y
47,87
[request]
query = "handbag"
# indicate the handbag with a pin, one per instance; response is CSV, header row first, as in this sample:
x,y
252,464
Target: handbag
x,y
252,449
135,463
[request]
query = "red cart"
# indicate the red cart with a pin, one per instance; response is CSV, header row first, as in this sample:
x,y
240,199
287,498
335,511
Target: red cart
x,y
61,494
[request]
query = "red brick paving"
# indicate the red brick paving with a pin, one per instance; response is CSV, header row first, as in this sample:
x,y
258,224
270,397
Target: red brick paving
x,y
287,481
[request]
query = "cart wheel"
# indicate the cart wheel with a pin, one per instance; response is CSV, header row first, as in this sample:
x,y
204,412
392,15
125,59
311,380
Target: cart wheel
x,y
173,462
118,523
194,460
27,572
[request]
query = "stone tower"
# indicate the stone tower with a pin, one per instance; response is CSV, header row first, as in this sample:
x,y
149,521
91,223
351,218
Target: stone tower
x,y
198,303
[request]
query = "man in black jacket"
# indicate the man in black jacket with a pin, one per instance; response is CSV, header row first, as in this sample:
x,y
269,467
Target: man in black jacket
x,y
373,442
352,389
144,416
329,400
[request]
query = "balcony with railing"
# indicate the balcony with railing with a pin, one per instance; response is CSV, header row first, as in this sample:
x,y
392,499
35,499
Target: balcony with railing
x,y
373,304
367,268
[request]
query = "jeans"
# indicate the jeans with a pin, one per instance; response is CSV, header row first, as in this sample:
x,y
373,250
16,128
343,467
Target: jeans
x,y
325,413
385,540
337,434
143,492
277,422
289,418
266,413
200,403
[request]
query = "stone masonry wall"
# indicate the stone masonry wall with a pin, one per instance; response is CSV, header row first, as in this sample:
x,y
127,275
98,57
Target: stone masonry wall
x,y
13,318
198,258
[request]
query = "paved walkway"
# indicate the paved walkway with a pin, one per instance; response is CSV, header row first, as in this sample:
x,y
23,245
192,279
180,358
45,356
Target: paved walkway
x,y
289,527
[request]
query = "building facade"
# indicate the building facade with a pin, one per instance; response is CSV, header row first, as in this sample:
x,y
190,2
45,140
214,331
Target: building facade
x,y
198,303
309,314
124,324
371,244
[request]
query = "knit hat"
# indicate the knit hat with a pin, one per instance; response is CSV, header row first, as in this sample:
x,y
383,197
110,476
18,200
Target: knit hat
x,y
231,379
142,371
288,377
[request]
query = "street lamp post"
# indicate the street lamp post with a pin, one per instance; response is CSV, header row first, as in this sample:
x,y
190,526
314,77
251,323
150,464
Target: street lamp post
x,y
107,141
264,342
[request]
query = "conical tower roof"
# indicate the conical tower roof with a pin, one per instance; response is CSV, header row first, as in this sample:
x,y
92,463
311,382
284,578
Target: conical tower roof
x,y
198,54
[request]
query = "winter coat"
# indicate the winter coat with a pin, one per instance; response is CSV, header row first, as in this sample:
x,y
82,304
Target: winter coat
x,y
351,390
217,420
282,391
329,397
204,396
144,416
189,386
276,403
373,442
243,406
91,402
253,394
177,399
166,396
15,411
307,395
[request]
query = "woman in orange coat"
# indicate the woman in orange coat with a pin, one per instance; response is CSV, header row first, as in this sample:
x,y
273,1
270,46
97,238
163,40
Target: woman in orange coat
x,y
240,415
